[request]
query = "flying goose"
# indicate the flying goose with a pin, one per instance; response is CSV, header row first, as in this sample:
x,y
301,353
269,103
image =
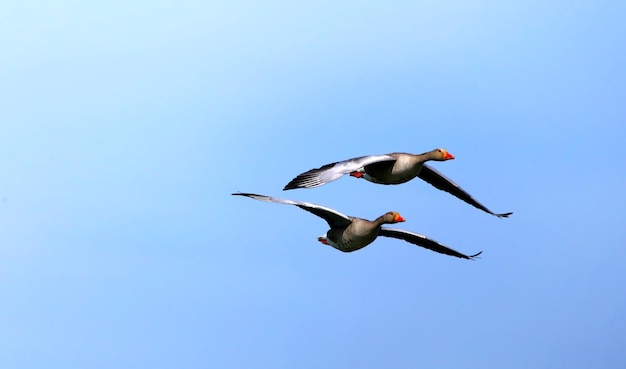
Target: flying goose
x,y
350,233
389,169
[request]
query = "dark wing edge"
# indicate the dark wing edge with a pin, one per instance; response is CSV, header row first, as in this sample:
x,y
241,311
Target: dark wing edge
x,y
423,241
331,216
308,179
443,183
333,171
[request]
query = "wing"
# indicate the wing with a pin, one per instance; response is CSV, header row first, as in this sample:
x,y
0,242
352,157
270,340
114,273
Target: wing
x,y
333,171
443,183
421,240
332,217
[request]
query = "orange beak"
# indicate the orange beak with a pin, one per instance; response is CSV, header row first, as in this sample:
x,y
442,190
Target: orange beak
x,y
322,240
398,219
448,156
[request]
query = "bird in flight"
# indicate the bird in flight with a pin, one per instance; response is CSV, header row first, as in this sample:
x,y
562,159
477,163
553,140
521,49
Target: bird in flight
x,y
390,169
349,234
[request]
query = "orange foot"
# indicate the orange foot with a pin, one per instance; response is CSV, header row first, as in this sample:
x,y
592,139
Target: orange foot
x,y
356,174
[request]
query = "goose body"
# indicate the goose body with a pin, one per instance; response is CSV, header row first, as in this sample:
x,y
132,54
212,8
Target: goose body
x,y
349,234
390,169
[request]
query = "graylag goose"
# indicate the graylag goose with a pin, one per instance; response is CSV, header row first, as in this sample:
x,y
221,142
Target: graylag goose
x,y
389,169
350,233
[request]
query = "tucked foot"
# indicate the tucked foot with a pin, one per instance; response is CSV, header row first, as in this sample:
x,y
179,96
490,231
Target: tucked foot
x,y
356,174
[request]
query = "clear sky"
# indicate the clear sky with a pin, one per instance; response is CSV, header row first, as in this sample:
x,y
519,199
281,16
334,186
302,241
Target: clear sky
x,y
127,124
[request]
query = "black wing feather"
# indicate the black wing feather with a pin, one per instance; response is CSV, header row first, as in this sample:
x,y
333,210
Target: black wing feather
x,y
443,183
423,241
331,216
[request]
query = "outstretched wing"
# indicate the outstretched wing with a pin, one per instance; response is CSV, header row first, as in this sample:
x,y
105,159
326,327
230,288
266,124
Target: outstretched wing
x,y
444,183
332,217
333,171
421,240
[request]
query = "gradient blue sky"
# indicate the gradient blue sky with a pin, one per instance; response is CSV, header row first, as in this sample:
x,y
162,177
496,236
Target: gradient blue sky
x,y
127,124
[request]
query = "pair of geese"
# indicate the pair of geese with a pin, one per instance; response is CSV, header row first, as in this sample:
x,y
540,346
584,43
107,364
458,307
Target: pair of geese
x,y
348,233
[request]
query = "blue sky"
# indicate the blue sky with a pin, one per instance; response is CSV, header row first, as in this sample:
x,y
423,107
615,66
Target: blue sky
x,y
126,126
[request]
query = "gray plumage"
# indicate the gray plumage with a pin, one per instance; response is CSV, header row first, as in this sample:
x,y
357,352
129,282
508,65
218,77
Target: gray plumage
x,y
390,169
348,233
